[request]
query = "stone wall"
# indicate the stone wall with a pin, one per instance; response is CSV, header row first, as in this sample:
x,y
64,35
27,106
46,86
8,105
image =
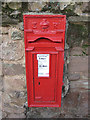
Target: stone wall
x,y
13,72
13,90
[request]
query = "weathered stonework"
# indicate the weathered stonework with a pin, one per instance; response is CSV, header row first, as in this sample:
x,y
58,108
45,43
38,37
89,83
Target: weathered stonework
x,y
36,6
81,67
0,105
0,67
4,30
12,51
0,39
20,26
14,84
1,83
13,69
15,34
74,77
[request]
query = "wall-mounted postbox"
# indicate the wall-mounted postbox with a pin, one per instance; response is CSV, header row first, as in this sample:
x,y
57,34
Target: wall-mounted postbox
x,y
44,52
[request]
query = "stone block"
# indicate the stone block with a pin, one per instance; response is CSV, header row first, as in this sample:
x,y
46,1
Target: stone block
x,y
12,51
12,104
17,94
76,51
36,6
4,30
1,51
75,104
0,105
13,69
7,20
15,5
17,116
80,85
85,7
78,64
21,27
0,39
15,34
78,10
0,100
46,112
0,115
4,114
14,84
0,67
15,14
63,5
1,83
77,19
6,39
13,110
74,76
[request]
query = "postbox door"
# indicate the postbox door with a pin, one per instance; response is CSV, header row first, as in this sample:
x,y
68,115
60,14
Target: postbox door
x,y
45,77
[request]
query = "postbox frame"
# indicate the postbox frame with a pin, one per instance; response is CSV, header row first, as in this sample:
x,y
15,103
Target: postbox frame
x,y
29,52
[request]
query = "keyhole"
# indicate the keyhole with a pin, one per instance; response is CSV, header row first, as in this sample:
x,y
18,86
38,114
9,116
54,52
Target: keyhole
x,y
39,83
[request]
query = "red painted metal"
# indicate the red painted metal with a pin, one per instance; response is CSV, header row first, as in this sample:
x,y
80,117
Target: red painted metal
x,y
44,34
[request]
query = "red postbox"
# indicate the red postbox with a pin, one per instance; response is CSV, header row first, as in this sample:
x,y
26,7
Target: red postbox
x,y
44,52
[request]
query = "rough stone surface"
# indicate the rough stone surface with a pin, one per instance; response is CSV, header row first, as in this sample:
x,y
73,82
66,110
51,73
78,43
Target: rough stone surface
x,y
6,39
21,27
74,77
0,114
13,110
0,67
0,39
78,64
75,19
78,10
1,83
4,114
6,20
12,51
63,5
82,8
13,104
12,101
79,85
0,51
0,104
15,5
79,51
16,35
43,112
76,51
36,6
0,100
15,14
13,69
79,109
14,84
16,116
4,30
